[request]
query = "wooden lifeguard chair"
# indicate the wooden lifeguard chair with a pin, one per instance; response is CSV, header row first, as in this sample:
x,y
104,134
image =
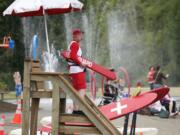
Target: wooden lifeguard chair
x,y
62,124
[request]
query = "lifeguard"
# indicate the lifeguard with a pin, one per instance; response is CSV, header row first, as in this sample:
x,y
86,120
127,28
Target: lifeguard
x,y
76,68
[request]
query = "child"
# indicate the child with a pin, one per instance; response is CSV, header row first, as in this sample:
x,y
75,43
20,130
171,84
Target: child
x,y
18,85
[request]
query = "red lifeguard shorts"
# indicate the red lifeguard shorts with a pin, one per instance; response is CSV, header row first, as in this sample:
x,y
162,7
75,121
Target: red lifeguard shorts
x,y
79,80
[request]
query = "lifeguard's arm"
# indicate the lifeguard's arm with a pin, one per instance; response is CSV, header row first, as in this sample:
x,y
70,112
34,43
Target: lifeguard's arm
x,y
73,53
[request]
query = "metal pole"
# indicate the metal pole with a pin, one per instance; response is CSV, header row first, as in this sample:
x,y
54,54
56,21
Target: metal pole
x,y
135,120
126,121
133,125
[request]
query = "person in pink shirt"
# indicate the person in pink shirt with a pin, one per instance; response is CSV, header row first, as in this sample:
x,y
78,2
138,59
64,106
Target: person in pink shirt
x,y
150,76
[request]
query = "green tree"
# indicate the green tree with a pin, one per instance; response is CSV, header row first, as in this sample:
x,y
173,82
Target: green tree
x,y
10,60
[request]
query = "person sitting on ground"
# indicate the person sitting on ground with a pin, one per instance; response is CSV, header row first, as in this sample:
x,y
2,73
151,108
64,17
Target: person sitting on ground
x,y
170,104
157,109
150,76
159,77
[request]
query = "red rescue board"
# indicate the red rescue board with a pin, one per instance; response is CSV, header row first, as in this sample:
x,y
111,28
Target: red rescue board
x,y
129,105
161,92
93,66
118,109
125,106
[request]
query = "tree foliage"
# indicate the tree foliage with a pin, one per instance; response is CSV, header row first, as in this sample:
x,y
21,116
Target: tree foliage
x,y
10,60
152,37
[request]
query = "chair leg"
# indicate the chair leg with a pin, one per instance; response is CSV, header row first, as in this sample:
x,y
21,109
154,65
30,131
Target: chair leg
x,y
126,121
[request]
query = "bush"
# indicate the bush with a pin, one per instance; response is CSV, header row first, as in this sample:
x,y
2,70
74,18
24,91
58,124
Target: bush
x,y
7,80
3,86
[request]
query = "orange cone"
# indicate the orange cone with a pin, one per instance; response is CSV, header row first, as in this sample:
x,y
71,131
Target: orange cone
x,y
17,115
2,121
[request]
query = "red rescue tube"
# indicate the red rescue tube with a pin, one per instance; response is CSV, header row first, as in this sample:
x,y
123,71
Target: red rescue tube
x,y
93,66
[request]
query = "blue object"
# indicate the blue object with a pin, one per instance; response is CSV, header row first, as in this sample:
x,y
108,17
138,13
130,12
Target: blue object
x,y
34,47
18,89
125,95
11,44
155,86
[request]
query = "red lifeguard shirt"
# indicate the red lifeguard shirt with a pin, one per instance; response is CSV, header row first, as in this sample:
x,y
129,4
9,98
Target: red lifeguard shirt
x,y
75,51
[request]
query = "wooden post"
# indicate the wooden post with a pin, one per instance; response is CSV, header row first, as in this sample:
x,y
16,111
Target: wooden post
x,y
34,112
26,98
62,107
34,115
55,109
63,97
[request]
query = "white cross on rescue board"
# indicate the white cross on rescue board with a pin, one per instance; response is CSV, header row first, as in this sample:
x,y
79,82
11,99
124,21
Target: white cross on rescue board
x,y
119,108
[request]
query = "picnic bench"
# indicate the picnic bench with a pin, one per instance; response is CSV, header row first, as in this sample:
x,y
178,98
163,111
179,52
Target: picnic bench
x,y
2,94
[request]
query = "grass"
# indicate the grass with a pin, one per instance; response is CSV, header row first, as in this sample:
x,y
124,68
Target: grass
x,y
11,95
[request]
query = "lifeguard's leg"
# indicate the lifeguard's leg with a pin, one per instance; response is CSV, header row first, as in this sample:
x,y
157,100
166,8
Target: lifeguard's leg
x,y
82,93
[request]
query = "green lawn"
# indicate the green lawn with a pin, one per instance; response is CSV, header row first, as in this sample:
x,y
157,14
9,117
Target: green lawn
x,y
10,95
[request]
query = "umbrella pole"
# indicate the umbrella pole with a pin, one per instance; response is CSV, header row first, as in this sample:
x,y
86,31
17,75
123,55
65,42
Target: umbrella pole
x,y
47,40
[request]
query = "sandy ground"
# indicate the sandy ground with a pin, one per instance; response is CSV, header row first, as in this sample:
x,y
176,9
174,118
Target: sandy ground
x,y
169,126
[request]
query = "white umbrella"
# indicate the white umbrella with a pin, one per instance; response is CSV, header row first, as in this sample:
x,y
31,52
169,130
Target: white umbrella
x,y
25,8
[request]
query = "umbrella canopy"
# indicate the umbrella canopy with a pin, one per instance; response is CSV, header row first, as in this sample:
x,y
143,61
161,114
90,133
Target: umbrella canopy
x,y
25,8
